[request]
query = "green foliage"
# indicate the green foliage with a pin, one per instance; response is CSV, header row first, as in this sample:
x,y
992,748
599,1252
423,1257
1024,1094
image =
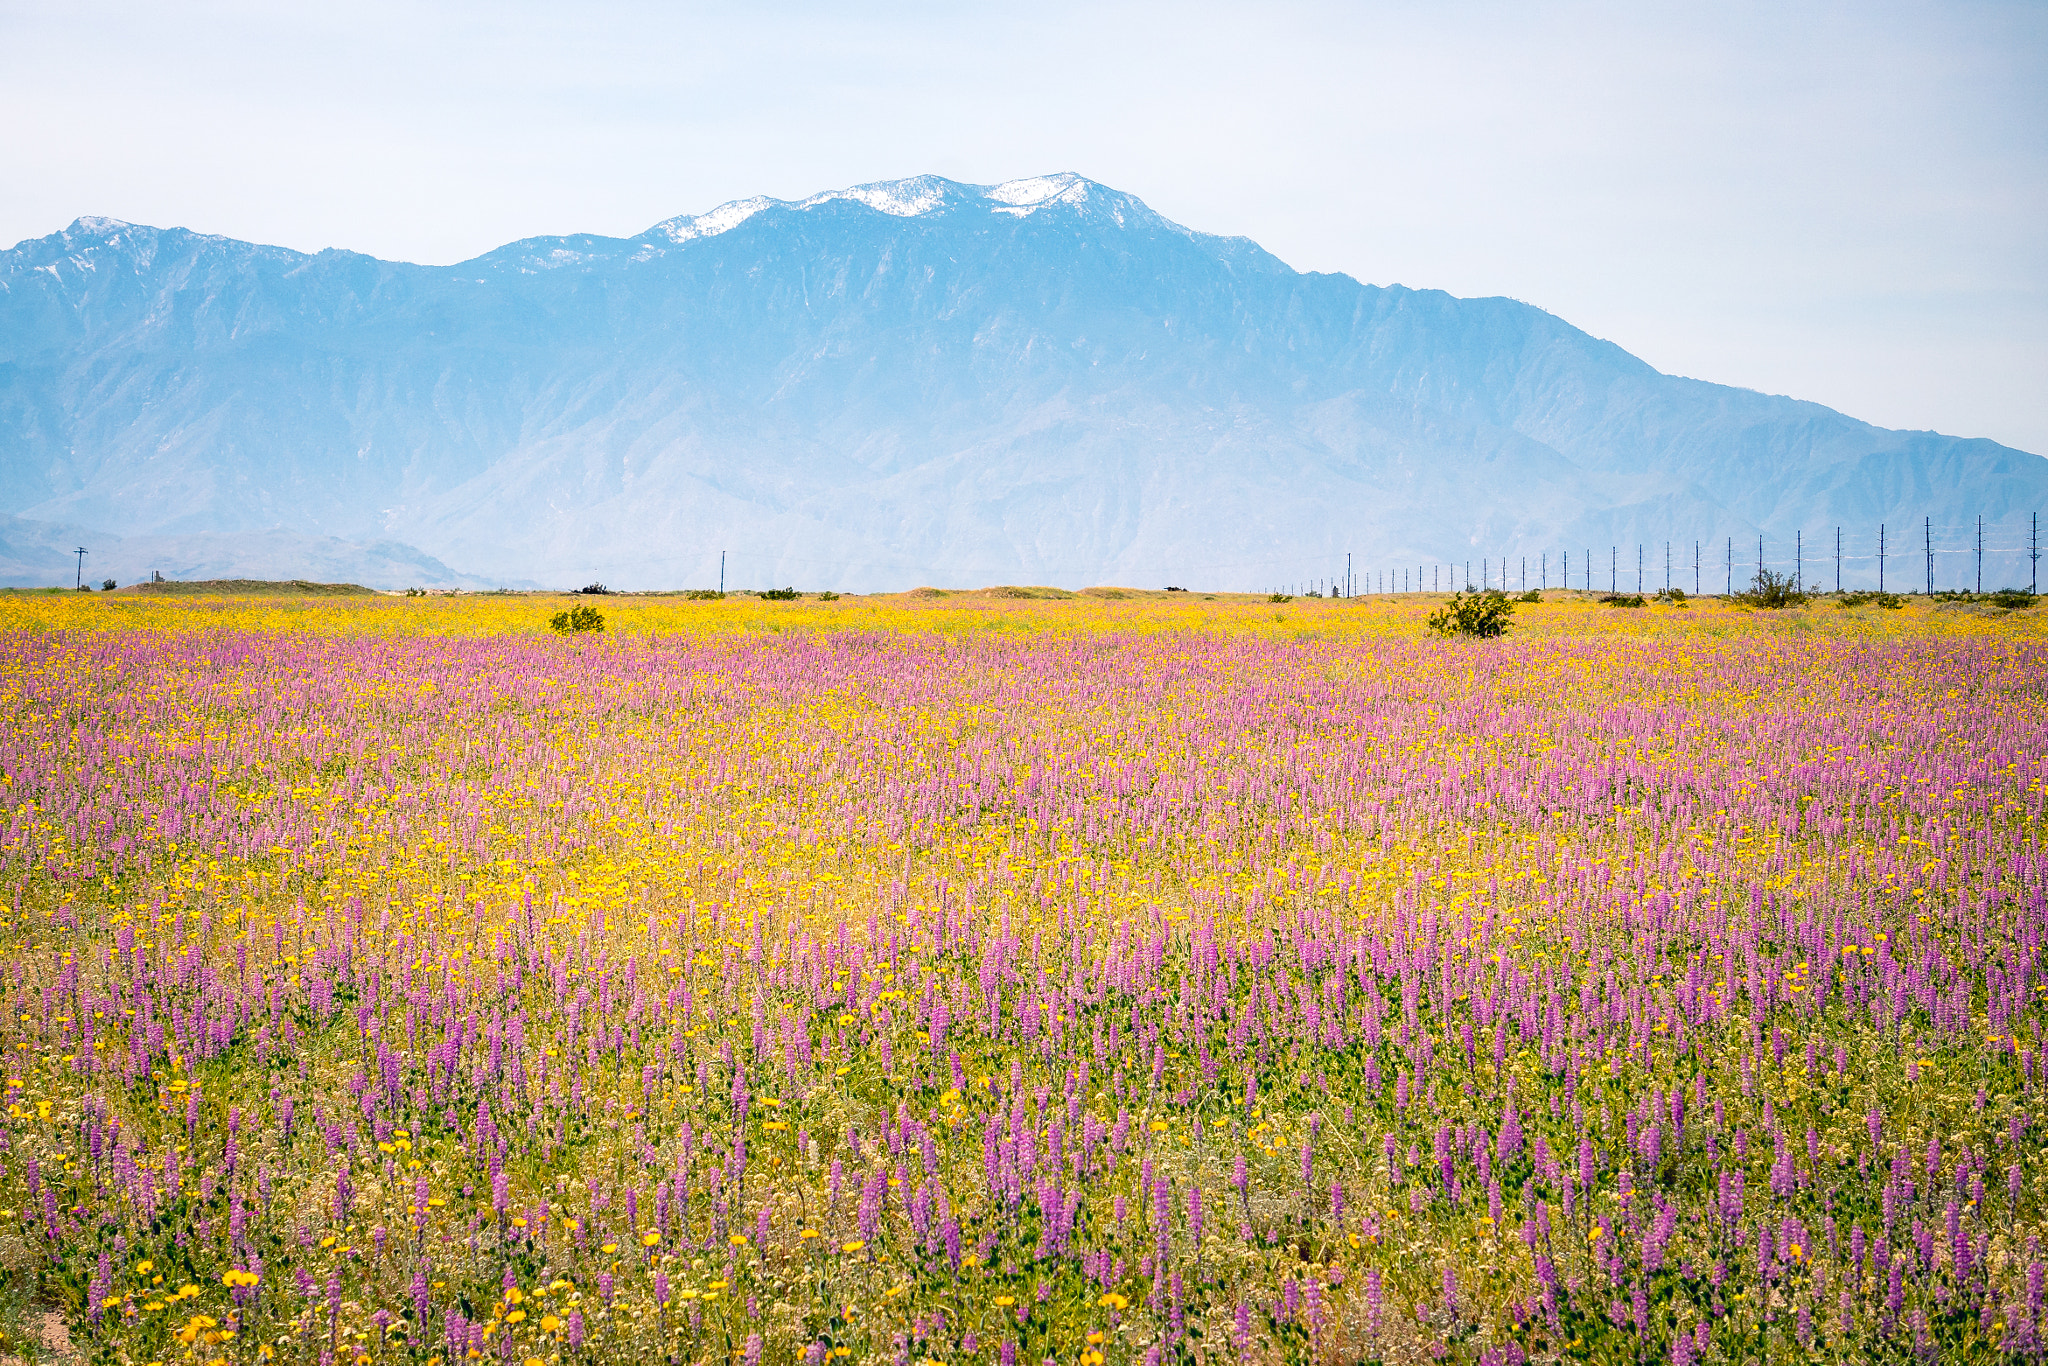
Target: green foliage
x,y
1281,597
579,619
2009,599
1870,599
779,595
1773,591
1671,597
415,592
1623,599
828,596
704,595
1531,596
1484,615
108,586
594,590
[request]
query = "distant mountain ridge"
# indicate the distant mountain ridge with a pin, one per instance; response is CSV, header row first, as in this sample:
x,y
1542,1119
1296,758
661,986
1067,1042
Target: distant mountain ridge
x,y
917,380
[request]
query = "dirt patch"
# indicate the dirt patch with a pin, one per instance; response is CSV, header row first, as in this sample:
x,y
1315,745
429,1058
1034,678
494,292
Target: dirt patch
x,y
53,1336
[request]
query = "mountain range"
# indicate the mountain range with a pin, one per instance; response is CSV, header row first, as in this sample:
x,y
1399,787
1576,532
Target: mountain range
x,y
913,381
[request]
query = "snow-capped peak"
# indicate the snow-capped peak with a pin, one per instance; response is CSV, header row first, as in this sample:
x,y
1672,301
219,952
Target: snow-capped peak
x,y
98,227
909,198
1036,191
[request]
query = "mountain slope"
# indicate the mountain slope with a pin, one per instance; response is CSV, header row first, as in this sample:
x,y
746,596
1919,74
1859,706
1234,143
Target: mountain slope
x,y
917,380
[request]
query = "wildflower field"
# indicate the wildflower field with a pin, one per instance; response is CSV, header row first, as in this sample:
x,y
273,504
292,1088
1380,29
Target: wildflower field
x,y
976,981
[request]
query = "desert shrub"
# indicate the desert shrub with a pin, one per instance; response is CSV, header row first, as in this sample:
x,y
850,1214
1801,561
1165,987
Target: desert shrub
x,y
415,592
828,596
1623,599
595,590
1484,614
1531,596
1672,597
2011,599
583,618
1773,591
1869,599
1281,597
778,594
703,594
108,585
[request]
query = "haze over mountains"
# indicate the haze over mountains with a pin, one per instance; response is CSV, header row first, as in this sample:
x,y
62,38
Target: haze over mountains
x,y
915,381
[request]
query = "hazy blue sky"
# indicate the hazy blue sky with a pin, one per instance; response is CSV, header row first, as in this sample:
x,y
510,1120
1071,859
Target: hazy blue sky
x,y
1843,202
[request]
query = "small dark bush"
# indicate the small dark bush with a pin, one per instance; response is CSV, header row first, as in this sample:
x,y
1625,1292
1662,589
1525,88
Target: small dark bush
x,y
1674,597
1483,614
1171,589
828,596
1870,599
415,592
578,619
2010,599
780,595
594,590
703,595
1531,596
1281,597
1623,599
1773,591
108,586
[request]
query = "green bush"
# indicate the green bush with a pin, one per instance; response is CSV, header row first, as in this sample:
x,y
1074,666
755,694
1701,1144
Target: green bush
x,y
1773,591
578,619
2010,599
704,595
595,590
1281,597
1484,614
1623,599
828,596
1674,597
1531,596
779,595
1870,599
108,586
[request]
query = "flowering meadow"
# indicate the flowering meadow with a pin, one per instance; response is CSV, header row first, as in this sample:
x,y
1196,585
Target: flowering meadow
x,y
963,980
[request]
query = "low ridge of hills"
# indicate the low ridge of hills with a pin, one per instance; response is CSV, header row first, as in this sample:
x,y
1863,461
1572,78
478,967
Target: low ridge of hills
x,y
918,380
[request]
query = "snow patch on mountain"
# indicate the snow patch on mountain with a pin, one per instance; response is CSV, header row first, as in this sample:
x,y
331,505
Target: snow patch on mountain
x,y
913,197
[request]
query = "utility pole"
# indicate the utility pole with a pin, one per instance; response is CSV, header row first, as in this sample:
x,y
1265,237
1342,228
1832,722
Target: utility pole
x,y
1759,559
1928,524
1798,559
1350,583
721,573
82,552
1667,566
1639,568
2034,554
1880,557
1696,569
1589,569
1731,567
1614,569
1980,552
1838,559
